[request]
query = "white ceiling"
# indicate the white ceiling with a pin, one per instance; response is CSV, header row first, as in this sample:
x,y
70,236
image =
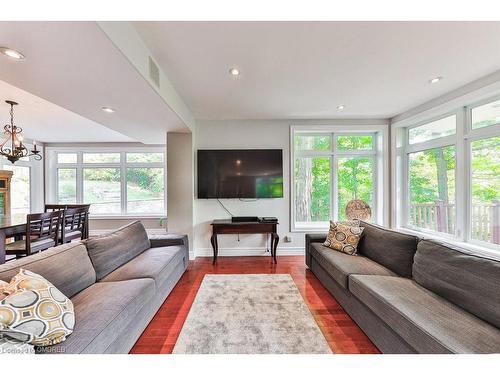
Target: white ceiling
x,y
47,122
305,69
76,66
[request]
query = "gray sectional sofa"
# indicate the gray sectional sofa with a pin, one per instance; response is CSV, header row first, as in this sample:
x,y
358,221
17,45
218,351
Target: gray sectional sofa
x,y
412,295
116,282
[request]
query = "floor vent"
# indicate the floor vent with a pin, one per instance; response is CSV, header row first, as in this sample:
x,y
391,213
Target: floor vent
x,y
154,72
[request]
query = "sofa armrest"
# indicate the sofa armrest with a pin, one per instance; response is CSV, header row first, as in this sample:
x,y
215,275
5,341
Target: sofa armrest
x,y
311,238
162,240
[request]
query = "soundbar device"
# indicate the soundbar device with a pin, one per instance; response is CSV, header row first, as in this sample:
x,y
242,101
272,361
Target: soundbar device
x,y
245,219
269,220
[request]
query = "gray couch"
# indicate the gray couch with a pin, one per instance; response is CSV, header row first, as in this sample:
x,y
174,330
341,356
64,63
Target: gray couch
x,y
412,295
117,282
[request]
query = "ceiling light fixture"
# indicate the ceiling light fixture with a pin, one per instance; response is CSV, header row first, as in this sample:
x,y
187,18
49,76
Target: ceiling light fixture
x,y
341,107
12,146
108,109
234,72
435,79
12,53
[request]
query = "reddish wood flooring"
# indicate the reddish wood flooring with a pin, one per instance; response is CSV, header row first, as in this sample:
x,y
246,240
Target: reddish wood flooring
x,y
341,332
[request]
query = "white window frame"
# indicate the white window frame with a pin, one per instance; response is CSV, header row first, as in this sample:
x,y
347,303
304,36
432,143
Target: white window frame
x,y
380,176
462,140
53,167
450,140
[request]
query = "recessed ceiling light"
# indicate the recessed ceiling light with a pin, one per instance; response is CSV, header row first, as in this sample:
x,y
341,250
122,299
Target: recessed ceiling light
x,y
435,79
12,53
108,109
341,107
234,71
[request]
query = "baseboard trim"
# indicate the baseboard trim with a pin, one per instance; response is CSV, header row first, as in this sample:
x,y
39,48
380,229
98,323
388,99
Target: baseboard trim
x,y
248,251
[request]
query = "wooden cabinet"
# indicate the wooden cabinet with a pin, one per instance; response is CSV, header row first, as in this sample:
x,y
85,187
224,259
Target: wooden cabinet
x,y
5,177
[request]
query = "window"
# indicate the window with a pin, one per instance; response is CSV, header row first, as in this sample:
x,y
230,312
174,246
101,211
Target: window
x,y
432,189
101,188
144,157
113,182
355,181
354,142
20,189
67,158
329,170
101,157
145,190
448,177
430,154
486,115
312,189
485,190
433,130
66,179
316,142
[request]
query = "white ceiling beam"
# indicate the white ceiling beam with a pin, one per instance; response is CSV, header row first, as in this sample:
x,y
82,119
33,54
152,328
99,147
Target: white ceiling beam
x,y
127,40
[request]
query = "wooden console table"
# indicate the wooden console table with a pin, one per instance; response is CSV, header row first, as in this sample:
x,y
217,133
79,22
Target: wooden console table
x,y
252,227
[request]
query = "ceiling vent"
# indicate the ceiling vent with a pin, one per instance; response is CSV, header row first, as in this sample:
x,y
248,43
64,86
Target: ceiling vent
x,y
154,72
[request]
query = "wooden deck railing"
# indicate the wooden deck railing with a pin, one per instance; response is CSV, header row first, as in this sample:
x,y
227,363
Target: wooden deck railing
x,y
441,217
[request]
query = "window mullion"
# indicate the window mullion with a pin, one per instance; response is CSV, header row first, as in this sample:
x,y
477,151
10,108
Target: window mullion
x,y
123,182
375,178
334,180
462,172
403,181
79,178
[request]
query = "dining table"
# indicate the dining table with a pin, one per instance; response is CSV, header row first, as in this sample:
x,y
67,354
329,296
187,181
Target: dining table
x,y
13,225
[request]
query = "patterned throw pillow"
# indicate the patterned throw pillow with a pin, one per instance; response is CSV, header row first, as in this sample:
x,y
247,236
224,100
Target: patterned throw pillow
x,y
35,311
344,236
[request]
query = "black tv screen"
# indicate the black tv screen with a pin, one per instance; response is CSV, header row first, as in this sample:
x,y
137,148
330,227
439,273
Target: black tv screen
x,y
240,174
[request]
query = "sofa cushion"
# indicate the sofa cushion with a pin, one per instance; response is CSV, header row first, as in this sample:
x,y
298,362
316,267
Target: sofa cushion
x,y
392,249
427,322
68,267
340,265
469,280
110,251
157,263
102,312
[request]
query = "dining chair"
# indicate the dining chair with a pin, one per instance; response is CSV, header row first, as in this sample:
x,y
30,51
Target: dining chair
x,y
87,207
42,232
60,207
74,224
54,207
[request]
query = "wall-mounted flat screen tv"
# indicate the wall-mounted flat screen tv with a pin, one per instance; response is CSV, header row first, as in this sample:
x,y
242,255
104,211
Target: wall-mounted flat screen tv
x,y
240,174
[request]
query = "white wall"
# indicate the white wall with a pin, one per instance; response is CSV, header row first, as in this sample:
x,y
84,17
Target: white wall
x,y
251,134
180,173
101,226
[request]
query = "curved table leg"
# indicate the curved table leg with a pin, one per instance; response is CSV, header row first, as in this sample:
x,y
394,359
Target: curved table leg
x,y
275,239
215,247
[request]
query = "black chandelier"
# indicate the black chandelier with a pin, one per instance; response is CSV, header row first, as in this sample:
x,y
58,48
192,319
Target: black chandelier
x,y
12,146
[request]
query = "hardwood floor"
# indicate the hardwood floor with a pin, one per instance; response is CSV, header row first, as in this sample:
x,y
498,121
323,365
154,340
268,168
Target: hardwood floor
x,y
341,332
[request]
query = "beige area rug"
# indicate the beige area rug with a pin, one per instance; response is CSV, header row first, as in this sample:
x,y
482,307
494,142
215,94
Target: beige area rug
x,y
250,314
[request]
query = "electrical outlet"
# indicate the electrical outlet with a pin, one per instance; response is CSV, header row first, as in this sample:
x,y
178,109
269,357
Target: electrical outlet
x,y
287,239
